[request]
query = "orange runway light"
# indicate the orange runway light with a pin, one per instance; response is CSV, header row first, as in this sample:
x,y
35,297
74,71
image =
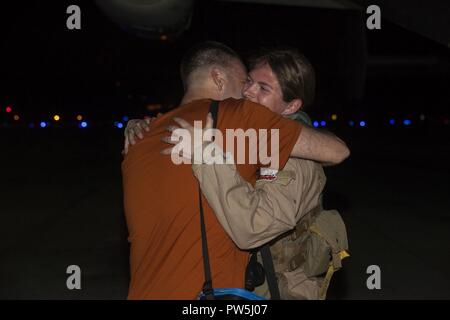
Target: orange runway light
x,y
154,107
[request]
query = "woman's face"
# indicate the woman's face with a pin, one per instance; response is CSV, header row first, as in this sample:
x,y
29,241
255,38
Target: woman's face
x,y
262,87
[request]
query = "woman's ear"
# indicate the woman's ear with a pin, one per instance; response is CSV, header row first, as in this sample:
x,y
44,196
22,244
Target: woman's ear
x,y
293,107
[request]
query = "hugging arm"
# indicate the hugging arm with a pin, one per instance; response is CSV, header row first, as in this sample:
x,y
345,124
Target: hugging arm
x,y
320,146
252,216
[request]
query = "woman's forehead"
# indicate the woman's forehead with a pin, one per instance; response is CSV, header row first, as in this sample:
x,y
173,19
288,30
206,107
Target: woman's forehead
x,y
263,72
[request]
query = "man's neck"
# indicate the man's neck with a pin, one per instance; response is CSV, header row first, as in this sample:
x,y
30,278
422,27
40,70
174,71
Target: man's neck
x,y
199,94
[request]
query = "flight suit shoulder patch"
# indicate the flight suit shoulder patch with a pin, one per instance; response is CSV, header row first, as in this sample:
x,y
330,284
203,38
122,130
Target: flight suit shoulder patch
x,y
283,177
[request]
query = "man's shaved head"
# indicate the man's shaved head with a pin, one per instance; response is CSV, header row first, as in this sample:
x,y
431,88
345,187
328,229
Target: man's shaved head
x,y
203,55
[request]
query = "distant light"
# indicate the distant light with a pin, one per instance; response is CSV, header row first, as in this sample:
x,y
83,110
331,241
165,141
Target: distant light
x,y
16,117
56,118
406,122
83,124
43,124
351,123
125,118
163,37
8,109
362,124
391,122
79,117
316,124
422,117
334,117
323,123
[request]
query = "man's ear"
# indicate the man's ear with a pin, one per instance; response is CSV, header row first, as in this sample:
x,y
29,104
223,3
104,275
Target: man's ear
x,y
293,107
218,78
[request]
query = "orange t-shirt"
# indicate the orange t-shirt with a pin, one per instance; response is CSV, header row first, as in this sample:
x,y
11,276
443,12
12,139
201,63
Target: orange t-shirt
x,y
162,211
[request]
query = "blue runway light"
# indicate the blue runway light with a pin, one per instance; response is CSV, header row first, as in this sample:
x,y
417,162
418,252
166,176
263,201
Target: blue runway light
x,y
125,118
119,125
407,122
351,123
83,124
316,124
362,124
43,124
323,123
391,122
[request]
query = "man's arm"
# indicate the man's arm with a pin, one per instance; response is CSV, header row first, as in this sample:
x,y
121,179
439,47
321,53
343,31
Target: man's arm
x,y
252,216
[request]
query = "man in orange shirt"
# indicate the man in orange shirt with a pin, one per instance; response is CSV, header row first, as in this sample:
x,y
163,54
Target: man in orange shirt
x,y
163,215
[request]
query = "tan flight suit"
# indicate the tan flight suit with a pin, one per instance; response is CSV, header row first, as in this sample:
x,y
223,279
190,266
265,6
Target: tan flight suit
x,y
252,216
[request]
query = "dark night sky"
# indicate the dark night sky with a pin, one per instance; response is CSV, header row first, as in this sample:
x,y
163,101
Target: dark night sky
x,y
47,68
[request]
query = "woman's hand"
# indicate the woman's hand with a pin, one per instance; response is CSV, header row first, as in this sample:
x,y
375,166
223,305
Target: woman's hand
x,y
135,128
186,131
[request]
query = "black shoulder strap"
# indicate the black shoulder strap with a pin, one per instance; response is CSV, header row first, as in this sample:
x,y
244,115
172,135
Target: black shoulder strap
x,y
214,110
207,286
270,272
